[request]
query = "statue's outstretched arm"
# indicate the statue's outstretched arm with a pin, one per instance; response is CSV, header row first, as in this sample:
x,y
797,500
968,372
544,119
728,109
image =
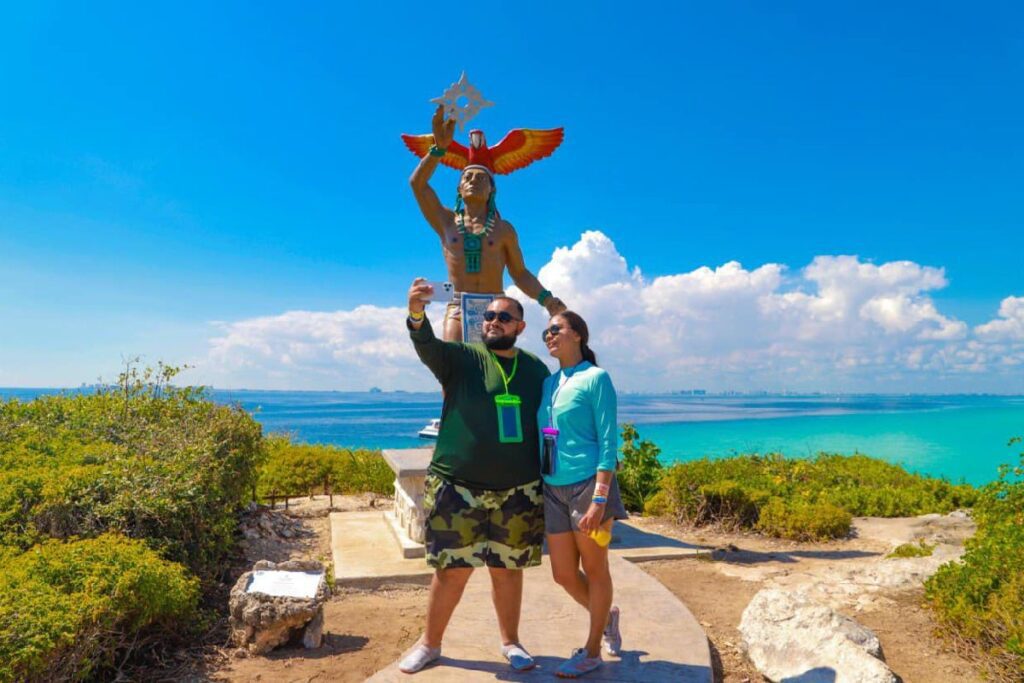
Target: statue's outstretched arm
x,y
524,279
435,213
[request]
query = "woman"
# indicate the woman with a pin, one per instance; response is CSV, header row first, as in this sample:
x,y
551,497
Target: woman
x,y
579,453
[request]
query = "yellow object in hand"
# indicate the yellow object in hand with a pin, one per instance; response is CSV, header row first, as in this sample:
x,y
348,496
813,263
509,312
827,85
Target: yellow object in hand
x,y
602,537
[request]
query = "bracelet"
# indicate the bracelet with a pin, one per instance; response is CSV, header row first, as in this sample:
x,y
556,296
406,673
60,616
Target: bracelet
x,y
416,317
543,296
600,500
436,151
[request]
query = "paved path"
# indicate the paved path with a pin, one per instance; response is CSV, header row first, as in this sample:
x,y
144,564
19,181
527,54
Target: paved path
x,y
661,639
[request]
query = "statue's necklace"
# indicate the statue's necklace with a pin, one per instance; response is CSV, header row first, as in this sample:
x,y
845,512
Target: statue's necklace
x,y
473,243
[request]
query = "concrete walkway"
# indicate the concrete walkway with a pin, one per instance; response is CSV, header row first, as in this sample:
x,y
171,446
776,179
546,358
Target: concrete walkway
x,y
661,639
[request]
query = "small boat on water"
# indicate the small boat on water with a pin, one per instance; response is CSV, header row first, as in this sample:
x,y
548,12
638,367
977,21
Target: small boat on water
x,y
430,431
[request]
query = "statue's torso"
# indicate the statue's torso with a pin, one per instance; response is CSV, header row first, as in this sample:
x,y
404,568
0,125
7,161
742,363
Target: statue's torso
x,y
492,258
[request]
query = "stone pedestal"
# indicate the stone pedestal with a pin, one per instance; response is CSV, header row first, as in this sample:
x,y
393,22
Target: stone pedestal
x,y
406,518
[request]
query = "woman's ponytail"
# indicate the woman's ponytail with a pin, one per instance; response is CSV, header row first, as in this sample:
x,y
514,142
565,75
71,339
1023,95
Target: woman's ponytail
x,y
579,326
588,353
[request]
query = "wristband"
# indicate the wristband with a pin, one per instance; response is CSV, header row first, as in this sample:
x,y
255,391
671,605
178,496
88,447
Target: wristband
x,y
416,317
436,151
543,296
601,489
600,500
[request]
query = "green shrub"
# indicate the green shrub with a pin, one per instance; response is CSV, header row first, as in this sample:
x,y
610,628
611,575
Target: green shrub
x,y
114,505
727,502
641,470
293,468
658,504
979,600
363,471
144,459
734,491
919,549
67,609
803,521
305,469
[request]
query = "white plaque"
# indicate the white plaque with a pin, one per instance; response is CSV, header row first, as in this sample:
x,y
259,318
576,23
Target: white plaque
x,y
284,583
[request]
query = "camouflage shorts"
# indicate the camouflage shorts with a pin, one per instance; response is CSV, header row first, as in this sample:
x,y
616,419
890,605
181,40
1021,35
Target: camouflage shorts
x,y
475,528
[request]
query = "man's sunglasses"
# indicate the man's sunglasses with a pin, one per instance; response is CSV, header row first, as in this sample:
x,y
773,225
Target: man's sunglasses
x,y
553,331
504,317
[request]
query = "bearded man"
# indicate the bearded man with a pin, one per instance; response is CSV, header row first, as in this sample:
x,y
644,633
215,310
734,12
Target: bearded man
x,y
478,244
483,500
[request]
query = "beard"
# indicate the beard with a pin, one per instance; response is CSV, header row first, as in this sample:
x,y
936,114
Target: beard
x,y
500,343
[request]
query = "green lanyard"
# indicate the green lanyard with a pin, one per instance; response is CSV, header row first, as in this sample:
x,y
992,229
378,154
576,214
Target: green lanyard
x,y
506,378
510,424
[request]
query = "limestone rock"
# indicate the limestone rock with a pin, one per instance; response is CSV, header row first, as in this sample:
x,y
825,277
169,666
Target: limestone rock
x,y
260,622
272,524
789,637
313,634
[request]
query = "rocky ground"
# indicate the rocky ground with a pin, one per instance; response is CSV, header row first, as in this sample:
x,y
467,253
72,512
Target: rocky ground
x,y
366,630
853,576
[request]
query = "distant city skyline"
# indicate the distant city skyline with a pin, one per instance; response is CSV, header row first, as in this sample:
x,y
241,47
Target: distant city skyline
x,y
820,198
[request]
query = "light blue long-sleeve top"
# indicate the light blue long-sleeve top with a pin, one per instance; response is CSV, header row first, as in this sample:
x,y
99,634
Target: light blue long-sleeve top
x,y
585,414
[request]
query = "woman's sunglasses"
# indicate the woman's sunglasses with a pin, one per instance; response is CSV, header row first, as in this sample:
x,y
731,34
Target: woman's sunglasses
x,y
503,317
553,331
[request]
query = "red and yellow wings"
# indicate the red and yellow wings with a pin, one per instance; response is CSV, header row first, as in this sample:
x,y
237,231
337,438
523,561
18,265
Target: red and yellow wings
x,y
455,157
523,146
520,148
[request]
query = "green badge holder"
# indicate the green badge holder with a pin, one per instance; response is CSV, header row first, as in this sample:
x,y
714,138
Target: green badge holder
x,y
510,424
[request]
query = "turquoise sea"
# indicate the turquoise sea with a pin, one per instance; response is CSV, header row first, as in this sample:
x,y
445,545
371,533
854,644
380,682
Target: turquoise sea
x,y
958,437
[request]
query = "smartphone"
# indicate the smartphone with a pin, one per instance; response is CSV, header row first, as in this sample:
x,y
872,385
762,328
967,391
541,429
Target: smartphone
x,y
443,291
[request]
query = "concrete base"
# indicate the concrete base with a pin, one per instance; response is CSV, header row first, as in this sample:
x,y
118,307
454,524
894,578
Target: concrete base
x,y
410,467
363,550
410,549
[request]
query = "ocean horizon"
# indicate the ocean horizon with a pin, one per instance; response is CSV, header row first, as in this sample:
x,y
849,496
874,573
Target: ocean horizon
x,y
962,437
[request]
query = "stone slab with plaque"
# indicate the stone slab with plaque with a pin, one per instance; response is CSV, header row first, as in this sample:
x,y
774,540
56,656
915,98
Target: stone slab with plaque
x,y
275,603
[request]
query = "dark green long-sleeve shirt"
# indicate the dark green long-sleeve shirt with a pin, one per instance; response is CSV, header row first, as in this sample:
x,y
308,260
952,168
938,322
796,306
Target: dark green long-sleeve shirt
x,y
468,452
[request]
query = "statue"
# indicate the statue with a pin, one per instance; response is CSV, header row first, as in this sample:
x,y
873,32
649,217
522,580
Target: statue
x,y
478,244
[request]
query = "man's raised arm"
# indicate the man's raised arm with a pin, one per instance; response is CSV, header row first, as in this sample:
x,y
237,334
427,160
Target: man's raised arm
x,y
430,205
435,354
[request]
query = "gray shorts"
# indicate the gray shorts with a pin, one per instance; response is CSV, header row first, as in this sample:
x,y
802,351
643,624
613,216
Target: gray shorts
x,y
560,501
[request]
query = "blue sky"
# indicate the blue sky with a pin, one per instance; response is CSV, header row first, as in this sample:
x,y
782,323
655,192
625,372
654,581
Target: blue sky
x,y
166,169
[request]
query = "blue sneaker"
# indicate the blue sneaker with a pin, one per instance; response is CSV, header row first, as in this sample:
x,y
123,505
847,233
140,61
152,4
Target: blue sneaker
x,y
578,664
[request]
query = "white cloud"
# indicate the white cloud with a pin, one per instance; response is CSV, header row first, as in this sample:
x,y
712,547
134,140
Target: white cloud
x,y
1010,324
353,349
839,323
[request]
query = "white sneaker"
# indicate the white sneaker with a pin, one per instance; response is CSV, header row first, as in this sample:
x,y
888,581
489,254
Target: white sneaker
x,y
518,658
419,657
611,639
